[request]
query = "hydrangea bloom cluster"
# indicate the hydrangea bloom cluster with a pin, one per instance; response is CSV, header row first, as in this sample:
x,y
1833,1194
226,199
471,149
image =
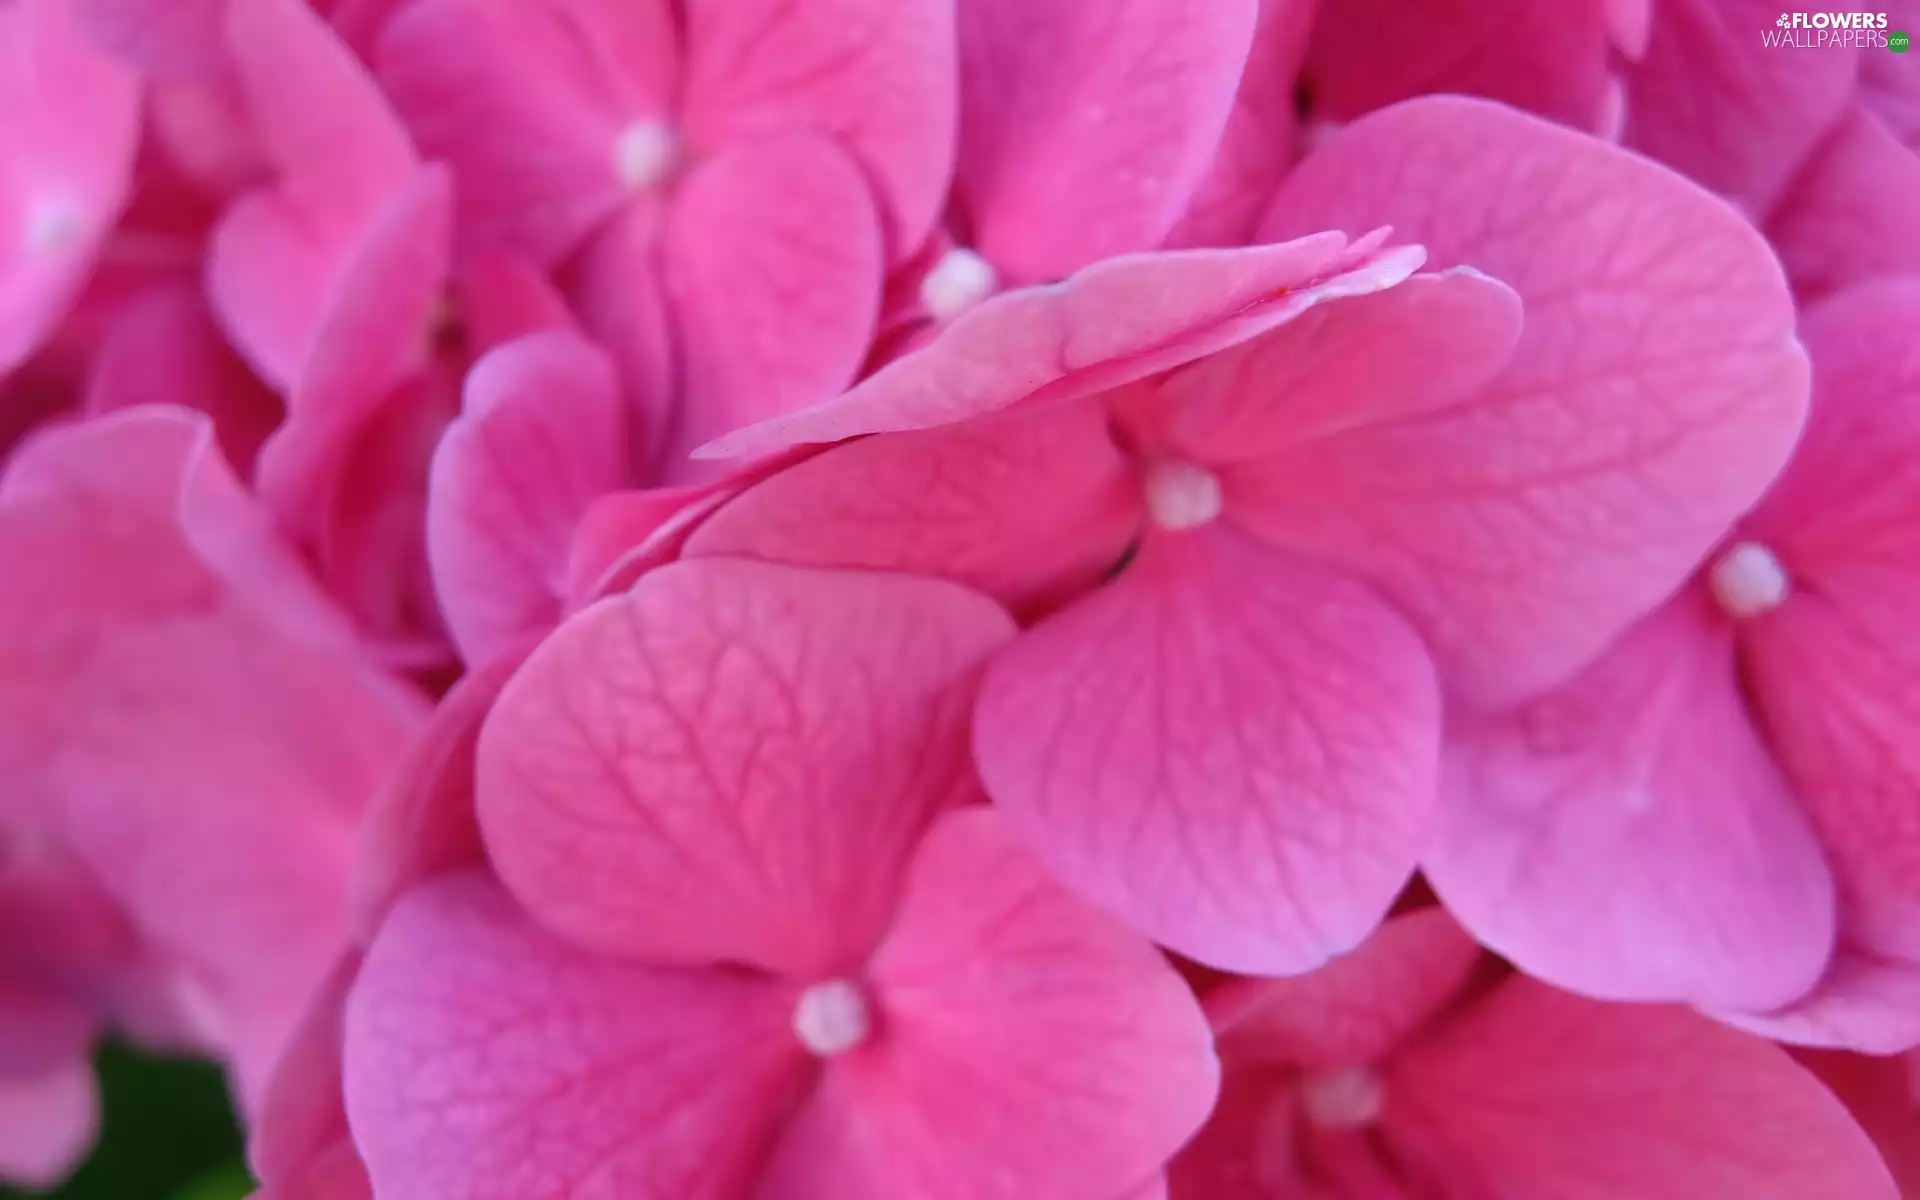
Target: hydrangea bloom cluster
x,y
966,599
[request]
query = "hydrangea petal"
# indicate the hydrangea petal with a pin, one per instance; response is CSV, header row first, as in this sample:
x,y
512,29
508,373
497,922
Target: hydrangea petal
x,y
1656,390
541,433
731,761
1086,129
1231,748
1845,217
1629,835
1030,1046
1865,1003
47,1121
488,1060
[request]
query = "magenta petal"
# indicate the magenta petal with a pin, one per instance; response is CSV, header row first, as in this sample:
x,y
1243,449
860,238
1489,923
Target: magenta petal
x,y
165,39
1630,836
732,761
542,432
1554,1095
877,75
618,289
66,162
1231,748
772,262
1847,215
1655,391
1029,1047
302,1112
1028,506
1085,129
1112,323
47,1121
487,1060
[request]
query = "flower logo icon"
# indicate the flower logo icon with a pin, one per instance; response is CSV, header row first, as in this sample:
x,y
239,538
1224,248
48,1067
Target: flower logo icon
x,y
1784,21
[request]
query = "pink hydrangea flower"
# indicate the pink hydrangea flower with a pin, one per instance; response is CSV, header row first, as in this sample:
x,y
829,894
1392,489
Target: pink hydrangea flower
x,y
1370,459
171,728
741,938
1414,1067
1681,821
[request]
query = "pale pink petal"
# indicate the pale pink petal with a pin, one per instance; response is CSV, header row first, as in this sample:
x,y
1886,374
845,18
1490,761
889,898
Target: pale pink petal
x,y
1028,505
879,76
541,433
1110,324
1865,1003
521,100
1630,836
1028,1046
66,163
1656,390
1418,346
1261,138
165,39
1831,670
732,761
1710,99
772,264
1229,747
47,1121
1086,129
1545,1094
1551,59
487,1060
164,348
1358,1007
1847,215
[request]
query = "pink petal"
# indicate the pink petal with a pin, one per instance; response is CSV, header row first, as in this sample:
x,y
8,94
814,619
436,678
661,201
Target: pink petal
x,y
877,75
421,822
47,1122
487,1060
1629,835
1030,1047
1711,100
619,527
281,255
165,39
1028,506
176,727
1231,748
731,762
542,432
620,293
336,1175
1552,1095
1656,390
42,1028
1549,59
1418,346
1086,129
302,1114
1846,216
165,349
1110,324
772,263
1831,669
501,298
1865,1003
1358,1007
1259,143
522,100
66,160
1881,1095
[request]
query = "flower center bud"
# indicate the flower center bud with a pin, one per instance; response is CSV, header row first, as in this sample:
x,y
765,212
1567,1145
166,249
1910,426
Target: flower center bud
x,y
1346,1099
960,280
1748,580
832,1017
1181,495
645,154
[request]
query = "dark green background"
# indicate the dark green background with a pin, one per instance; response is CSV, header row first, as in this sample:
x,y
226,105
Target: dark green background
x,y
169,1135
